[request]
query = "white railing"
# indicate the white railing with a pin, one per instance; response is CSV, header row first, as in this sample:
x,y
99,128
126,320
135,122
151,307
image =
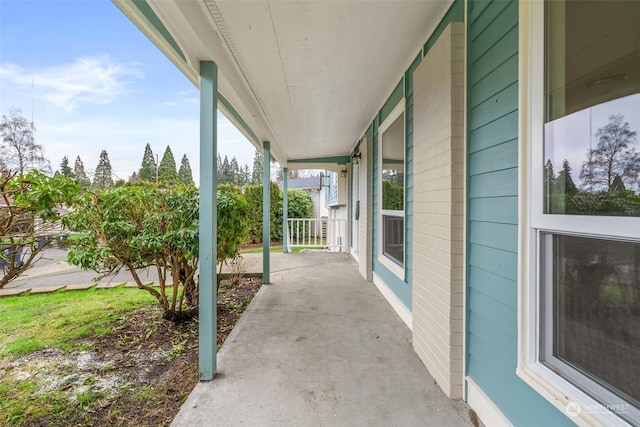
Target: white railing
x,y
317,233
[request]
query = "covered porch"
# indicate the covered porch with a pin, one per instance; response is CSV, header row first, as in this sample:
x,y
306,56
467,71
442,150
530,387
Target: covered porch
x,y
319,346
309,84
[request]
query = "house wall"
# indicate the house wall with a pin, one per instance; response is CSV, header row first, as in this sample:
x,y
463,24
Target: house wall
x,y
438,210
492,222
398,291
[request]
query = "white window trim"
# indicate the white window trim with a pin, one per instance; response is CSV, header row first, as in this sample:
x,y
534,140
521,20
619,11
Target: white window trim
x,y
558,391
355,197
384,260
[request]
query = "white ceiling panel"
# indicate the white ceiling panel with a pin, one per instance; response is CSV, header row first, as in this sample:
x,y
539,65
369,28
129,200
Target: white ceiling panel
x,y
307,75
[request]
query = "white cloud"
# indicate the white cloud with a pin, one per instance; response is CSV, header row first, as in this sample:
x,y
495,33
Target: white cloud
x,y
88,80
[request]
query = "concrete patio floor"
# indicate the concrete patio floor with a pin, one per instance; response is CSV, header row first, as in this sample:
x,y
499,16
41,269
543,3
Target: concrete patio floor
x,y
319,347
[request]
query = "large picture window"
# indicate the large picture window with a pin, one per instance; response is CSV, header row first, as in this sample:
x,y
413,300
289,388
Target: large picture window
x,y
585,221
392,185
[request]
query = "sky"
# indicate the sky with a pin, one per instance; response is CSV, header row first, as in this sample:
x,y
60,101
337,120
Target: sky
x,y
92,81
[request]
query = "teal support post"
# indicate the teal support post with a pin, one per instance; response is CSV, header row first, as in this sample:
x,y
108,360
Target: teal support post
x,y
208,219
266,211
285,209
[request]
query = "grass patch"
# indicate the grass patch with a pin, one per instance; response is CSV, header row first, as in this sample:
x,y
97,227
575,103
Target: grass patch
x,y
107,357
20,400
35,322
257,250
278,249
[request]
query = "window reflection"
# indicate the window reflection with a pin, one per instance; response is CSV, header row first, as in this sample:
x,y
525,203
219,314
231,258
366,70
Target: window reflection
x,y
392,143
393,166
592,163
591,160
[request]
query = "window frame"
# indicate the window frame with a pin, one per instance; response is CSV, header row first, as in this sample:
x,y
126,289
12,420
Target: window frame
x,y
390,264
534,224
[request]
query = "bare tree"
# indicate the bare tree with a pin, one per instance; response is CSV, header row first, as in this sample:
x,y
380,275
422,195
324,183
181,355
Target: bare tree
x,y
612,157
19,150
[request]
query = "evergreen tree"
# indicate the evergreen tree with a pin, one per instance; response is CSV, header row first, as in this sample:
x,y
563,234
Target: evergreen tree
x,y
167,174
65,169
80,174
256,173
184,174
219,162
148,169
246,175
219,169
226,176
134,177
102,178
563,182
234,171
549,177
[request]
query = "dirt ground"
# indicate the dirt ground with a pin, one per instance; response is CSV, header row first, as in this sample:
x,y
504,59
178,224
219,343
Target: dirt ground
x,y
139,375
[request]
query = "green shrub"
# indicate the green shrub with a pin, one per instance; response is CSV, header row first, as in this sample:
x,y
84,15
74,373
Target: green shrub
x,y
232,224
141,226
253,195
299,205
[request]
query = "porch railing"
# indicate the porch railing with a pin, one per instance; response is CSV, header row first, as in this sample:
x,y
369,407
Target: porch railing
x,y
317,233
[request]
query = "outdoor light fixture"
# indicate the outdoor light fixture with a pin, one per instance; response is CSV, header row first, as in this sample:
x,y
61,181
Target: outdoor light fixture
x,y
343,173
356,158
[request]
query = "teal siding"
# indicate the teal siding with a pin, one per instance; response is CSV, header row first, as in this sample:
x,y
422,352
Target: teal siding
x,y
391,102
492,227
408,203
402,289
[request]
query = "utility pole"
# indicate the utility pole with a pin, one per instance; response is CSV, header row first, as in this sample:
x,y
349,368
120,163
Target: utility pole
x,y
157,168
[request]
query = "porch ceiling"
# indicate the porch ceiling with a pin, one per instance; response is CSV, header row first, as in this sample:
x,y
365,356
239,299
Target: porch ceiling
x,y
308,76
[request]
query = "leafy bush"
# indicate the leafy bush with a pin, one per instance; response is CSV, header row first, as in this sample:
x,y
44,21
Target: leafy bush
x,y
299,205
232,224
253,195
392,196
142,226
28,216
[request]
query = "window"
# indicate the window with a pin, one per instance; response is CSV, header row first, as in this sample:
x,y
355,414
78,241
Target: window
x,y
392,185
590,319
584,233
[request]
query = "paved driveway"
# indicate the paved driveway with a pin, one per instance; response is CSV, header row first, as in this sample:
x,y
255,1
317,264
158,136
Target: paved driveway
x,y
53,270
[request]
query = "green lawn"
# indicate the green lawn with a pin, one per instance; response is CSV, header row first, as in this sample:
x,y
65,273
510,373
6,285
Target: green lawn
x,y
277,249
58,320
35,322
